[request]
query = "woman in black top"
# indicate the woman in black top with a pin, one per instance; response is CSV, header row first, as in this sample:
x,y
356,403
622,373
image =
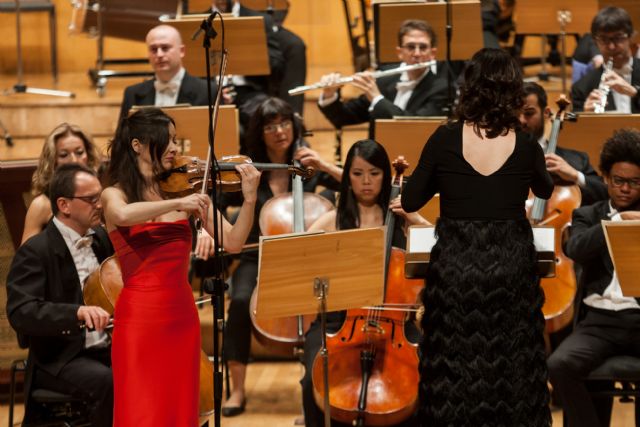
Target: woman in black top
x,y
363,203
271,135
482,357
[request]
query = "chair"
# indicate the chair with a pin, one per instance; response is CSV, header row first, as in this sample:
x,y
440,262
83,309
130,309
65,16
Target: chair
x,y
62,410
27,6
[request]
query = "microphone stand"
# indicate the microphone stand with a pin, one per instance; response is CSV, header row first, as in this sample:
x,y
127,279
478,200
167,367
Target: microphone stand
x,y
449,31
20,87
218,290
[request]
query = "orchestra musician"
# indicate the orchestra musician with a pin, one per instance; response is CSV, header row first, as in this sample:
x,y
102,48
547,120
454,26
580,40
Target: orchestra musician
x,y
44,298
421,92
568,165
156,339
66,143
271,136
363,203
288,44
608,322
172,84
612,30
482,355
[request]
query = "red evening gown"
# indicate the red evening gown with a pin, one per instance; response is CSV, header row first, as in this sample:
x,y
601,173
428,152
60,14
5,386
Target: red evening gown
x,y
156,338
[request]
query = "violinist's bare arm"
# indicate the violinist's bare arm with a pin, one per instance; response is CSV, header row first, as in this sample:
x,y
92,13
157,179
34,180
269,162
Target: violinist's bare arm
x,y
309,157
205,245
38,215
234,236
118,212
327,222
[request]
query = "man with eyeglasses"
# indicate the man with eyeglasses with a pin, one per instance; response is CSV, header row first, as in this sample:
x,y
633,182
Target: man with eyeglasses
x,y
421,92
612,31
69,351
608,321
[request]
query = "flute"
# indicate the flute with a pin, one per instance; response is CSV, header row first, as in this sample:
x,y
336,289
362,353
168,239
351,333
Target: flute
x,y
599,107
375,74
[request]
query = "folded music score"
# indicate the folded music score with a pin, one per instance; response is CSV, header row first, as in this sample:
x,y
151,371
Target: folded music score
x,y
623,241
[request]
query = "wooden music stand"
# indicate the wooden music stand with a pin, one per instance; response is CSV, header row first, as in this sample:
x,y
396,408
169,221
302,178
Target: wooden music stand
x,y
466,16
623,241
245,40
198,6
541,16
407,136
192,127
592,130
319,272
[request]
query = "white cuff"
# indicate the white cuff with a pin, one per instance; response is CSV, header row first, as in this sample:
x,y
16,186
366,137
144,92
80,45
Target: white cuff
x,y
582,181
324,102
374,101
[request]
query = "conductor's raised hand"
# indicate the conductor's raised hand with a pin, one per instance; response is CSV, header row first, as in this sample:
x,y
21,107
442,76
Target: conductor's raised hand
x,y
93,317
250,177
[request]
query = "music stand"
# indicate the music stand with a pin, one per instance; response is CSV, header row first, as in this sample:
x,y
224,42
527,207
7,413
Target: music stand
x,y
20,87
191,128
246,42
623,241
556,17
387,19
310,273
592,130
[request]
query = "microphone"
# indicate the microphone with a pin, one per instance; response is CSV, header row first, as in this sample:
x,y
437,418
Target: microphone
x,y
207,27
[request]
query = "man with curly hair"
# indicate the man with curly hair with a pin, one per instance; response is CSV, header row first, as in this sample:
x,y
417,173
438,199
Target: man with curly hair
x,y
609,321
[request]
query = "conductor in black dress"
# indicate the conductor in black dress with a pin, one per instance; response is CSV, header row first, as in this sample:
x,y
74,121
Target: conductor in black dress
x,y
482,356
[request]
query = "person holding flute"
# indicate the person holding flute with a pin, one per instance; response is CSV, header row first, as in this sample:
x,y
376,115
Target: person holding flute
x,y
417,92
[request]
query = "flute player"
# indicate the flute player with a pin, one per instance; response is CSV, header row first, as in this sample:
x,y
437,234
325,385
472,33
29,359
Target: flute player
x,y
420,92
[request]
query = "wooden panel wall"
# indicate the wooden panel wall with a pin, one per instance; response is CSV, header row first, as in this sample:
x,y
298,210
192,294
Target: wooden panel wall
x,y
321,25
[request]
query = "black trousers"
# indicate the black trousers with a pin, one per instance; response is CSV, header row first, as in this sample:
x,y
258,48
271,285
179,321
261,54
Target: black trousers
x,y
599,335
237,338
87,376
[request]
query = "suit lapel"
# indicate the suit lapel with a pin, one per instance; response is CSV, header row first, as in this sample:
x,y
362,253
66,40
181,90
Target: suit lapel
x,y
146,95
422,91
66,268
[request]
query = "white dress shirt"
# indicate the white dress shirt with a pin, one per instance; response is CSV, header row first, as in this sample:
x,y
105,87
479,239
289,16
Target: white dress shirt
x,y
612,297
623,102
86,262
167,92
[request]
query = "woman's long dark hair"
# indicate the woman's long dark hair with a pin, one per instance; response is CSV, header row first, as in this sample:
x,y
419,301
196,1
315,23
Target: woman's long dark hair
x,y
348,215
491,96
267,111
150,126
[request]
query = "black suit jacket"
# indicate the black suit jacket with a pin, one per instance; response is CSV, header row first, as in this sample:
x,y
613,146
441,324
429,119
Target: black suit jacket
x,y
582,88
193,90
44,294
427,99
587,247
595,189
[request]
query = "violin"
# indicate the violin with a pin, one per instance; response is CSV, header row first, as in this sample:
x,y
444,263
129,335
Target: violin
x,y
384,391
560,290
102,288
188,174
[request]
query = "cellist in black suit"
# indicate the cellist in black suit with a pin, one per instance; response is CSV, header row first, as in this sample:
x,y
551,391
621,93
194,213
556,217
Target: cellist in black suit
x,y
44,297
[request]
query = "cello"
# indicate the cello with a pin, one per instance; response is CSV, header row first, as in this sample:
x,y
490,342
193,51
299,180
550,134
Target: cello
x,y
385,390
560,290
287,213
102,288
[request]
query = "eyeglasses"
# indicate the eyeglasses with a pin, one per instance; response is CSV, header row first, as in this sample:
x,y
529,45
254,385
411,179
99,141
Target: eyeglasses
x,y
618,181
92,199
617,40
422,47
272,128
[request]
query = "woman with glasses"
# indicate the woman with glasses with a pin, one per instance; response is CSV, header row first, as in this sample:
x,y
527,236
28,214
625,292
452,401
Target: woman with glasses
x,y
482,356
66,143
273,129
156,339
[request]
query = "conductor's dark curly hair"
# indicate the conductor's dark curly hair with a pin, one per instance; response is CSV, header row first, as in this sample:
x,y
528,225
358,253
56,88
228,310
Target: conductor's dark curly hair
x,y
491,96
623,146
